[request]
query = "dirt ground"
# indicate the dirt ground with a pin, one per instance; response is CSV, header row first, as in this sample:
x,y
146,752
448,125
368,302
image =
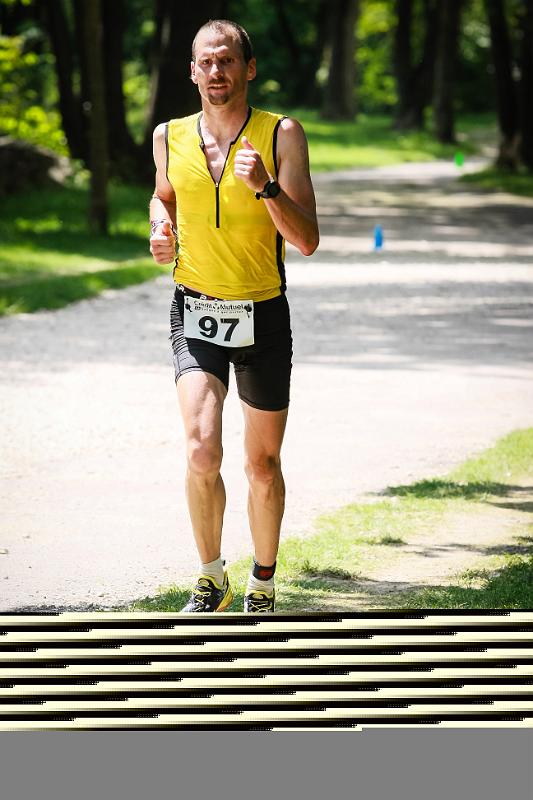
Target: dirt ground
x,y
407,361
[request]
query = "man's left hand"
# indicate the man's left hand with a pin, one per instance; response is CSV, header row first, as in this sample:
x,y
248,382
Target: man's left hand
x,y
249,167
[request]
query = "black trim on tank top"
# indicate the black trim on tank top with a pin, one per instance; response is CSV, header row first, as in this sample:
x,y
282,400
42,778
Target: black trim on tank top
x,y
279,261
166,146
275,144
279,238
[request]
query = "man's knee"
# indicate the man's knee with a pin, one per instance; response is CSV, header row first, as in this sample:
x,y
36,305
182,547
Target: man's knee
x,y
204,457
263,469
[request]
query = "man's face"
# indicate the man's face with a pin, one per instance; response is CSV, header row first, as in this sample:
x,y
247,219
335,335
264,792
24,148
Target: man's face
x,y
219,69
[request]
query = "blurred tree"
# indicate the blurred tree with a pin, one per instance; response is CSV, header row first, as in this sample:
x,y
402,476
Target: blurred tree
x,y
339,96
506,96
448,21
376,83
69,102
122,149
98,142
304,53
526,84
414,76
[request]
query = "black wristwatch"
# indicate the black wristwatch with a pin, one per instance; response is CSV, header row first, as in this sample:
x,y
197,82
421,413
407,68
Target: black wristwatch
x,y
271,189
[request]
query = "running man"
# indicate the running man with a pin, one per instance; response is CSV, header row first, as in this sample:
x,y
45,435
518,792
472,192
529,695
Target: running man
x,y
232,183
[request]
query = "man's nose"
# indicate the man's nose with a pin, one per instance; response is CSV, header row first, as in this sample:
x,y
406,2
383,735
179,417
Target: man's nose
x,y
215,69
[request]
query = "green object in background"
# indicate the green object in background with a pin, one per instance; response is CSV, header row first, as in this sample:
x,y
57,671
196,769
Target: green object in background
x,y
459,159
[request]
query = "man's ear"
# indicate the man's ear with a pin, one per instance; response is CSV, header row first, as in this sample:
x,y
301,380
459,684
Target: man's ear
x,y
193,73
252,70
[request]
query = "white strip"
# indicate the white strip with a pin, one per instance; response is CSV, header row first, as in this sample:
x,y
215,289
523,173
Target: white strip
x,y
228,648
202,632
340,661
261,717
85,618
133,704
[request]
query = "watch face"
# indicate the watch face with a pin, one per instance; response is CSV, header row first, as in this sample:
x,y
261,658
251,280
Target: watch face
x,y
273,189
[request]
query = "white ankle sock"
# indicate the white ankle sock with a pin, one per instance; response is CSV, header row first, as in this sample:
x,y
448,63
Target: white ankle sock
x,y
215,569
255,585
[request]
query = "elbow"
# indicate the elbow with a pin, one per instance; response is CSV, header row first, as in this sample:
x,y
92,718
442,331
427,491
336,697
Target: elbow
x,y
308,247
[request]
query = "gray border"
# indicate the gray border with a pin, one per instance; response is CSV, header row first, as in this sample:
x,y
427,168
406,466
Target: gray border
x,y
371,765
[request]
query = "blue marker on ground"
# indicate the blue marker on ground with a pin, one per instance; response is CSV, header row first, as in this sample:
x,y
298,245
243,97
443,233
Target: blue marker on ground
x,y
378,237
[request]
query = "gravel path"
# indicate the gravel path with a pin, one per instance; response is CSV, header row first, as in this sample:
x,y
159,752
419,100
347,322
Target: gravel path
x,y
406,362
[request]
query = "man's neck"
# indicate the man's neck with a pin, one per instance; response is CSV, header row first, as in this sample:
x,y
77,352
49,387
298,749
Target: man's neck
x,y
224,122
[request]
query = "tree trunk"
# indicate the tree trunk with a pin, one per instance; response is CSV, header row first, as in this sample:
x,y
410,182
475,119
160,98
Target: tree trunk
x,y
526,87
173,93
339,100
121,145
403,62
69,103
303,59
93,40
506,100
425,70
449,13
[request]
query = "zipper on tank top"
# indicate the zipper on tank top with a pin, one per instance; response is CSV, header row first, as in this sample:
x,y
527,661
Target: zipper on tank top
x,y
217,183
217,188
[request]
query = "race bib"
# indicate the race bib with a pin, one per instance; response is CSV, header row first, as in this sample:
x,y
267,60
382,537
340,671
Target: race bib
x,y
229,323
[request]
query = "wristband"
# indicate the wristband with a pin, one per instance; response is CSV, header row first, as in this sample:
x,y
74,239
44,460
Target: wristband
x,y
155,222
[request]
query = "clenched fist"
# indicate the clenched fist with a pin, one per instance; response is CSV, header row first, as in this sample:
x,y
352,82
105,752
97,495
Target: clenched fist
x,y
249,167
163,244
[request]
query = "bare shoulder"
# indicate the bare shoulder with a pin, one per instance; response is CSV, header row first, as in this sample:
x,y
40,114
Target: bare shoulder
x,y
292,130
160,132
160,145
292,142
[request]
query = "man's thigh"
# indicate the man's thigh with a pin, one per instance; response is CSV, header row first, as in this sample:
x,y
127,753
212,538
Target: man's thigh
x,y
201,397
264,431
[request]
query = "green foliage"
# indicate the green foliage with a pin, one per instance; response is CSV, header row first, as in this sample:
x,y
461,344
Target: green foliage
x,y
26,102
136,95
48,257
498,180
370,141
509,585
475,89
376,85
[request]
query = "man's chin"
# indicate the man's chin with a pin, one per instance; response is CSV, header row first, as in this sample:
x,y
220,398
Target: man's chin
x,y
218,98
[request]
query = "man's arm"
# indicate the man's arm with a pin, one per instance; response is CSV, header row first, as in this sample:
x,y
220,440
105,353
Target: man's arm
x,y
293,211
162,205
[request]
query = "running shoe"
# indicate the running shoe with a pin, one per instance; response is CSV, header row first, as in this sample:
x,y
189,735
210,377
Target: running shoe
x,y
207,595
259,602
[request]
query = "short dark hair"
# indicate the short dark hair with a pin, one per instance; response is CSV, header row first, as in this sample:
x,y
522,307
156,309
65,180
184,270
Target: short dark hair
x,y
221,26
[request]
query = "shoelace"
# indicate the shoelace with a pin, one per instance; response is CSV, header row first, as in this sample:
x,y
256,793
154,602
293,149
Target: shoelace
x,y
201,595
260,603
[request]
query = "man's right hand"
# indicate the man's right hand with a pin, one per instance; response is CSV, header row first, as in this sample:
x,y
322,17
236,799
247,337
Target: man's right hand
x,y
163,244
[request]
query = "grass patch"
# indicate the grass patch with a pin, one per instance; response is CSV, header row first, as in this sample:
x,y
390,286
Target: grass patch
x,y
372,141
508,584
59,291
48,257
498,180
331,563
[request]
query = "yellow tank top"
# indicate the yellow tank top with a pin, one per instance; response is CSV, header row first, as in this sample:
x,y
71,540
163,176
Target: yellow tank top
x,y
228,245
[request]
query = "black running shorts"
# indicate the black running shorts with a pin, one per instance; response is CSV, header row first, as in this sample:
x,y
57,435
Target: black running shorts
x,y
262,370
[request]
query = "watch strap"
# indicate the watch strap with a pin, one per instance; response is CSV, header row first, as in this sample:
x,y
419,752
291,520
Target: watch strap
x,y
266,193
